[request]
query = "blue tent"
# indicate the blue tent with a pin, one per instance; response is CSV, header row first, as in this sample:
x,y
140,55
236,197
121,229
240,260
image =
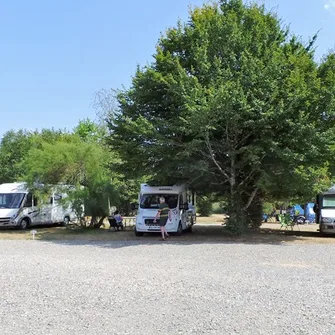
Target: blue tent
x,y
309,212
298,210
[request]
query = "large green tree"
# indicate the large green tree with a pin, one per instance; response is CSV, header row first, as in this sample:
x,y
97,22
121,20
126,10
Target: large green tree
x,y
230,104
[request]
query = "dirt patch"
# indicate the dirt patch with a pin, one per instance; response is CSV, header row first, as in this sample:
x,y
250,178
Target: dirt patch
x,y
202,233
213,219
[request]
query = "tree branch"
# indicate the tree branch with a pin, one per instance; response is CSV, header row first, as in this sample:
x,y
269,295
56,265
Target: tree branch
x,y
243,140
250,174
246,178
211,153
251,198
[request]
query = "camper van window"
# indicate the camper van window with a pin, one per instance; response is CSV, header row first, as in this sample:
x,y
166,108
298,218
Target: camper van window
x,y
152,200
329,201
29,200
181,200
11,200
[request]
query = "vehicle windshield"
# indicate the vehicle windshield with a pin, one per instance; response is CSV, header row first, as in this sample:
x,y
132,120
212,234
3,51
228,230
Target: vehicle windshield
x,y
11,200
328,201
152,200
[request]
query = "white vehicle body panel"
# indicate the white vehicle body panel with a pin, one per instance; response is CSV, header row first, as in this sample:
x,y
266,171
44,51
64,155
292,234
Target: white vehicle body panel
x,y
26,208
178,194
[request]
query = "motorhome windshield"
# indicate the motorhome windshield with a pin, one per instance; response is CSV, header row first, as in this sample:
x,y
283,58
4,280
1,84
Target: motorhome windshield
x,y
11,200
152,200
328,201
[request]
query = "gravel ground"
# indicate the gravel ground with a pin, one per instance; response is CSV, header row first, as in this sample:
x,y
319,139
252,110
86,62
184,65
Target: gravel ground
x,y
166,288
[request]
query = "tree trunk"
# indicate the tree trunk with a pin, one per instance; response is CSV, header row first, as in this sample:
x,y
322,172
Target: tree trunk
x,y
125,207
237,222
245,210
255,211
93,221
96,223
101,221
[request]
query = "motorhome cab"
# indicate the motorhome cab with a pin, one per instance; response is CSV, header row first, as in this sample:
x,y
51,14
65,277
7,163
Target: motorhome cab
x,y
180,201
19,208
325,211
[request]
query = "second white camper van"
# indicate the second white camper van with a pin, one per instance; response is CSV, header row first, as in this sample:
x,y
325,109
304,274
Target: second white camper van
x,y
19,208
180,200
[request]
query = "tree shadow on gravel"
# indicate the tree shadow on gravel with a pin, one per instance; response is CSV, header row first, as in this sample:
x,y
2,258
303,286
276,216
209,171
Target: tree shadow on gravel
x,y
202,234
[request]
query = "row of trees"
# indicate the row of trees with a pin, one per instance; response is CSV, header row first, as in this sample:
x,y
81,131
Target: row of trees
x,y
79,160
234,104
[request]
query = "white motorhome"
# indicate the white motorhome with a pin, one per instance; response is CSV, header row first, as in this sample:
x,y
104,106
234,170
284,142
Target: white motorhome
x,y
325,211
180,201
19,208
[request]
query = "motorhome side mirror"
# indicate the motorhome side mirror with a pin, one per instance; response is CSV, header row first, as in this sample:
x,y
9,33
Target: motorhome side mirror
x,y
134,206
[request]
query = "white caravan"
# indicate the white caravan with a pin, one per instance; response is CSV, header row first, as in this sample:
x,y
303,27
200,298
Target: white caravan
x,y
19,208
180,201
325,211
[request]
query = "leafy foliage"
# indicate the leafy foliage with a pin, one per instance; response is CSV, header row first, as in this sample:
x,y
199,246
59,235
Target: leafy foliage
x,y
204,205
77,163
80,159
13,148
231,105
90,131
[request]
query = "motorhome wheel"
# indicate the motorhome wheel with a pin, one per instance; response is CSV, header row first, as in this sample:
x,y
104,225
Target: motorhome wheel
x,y
138,234
189,229
24,224
66,221
180,230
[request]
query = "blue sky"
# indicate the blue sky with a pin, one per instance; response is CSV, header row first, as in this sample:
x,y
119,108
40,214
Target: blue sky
x,y
56,54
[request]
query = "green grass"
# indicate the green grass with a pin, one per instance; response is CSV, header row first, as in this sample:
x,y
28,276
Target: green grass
x,y
207,230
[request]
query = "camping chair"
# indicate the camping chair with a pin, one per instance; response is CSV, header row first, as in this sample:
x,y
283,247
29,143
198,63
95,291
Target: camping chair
x,y
114,224
287,222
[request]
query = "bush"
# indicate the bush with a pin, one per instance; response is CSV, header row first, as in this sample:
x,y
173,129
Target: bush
x,y
219,207
204,205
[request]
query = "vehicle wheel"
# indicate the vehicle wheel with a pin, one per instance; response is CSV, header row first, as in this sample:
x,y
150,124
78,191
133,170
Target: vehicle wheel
x,y
190,229
66,221
138,234
180,230
300,220
322,233
24,224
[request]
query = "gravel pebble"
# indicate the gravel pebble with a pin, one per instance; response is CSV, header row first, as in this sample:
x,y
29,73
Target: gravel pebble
x,y
166,288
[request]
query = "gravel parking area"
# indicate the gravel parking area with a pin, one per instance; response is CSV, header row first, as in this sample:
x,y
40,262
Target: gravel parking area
x,y
147,287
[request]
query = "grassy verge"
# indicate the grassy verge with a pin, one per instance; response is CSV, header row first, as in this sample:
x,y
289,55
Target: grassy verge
x,y
207,230
61,233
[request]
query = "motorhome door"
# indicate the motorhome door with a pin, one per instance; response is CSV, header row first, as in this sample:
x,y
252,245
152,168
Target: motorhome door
x,y
41,212
57,209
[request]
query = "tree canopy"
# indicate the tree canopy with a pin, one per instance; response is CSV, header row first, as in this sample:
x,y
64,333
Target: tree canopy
x,y
13,147
233,103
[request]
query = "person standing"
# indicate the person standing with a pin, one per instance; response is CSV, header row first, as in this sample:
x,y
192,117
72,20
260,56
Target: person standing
x,y
163,214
